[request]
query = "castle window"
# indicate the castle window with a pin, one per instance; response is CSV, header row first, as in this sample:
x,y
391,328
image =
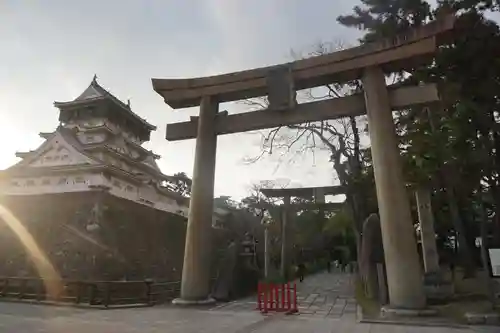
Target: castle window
x,y
79,180
63,181
14,183
129,188
30,182
117,184
46,181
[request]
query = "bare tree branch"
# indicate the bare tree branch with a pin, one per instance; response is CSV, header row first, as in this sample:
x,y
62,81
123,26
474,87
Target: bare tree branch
x,y
340,137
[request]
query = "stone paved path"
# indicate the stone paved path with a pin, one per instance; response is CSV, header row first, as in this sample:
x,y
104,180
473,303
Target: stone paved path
x,y
327,306
322,295
329,295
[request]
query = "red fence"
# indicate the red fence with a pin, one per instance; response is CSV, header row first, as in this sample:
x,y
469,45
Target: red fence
x,y
277,297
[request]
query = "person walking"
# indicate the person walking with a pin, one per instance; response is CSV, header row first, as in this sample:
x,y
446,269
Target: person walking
x,y
301,270
341,264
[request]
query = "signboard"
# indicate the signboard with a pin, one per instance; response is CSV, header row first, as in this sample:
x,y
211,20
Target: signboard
x,y
494,256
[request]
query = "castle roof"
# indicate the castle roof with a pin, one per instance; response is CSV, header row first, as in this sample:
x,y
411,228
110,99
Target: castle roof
x,y
96,92
67,138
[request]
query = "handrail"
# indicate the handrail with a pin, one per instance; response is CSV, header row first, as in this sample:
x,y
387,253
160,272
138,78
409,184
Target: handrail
x,y
93,293
105,294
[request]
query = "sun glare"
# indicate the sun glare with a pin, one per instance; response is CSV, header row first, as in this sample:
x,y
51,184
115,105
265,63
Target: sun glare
x,y
44,267
14,141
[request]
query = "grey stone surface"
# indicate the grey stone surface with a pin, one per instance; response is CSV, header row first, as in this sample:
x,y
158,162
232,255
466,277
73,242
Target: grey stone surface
x,y
318,296
396,312
475,319
186,302
235,317
492,319
483,319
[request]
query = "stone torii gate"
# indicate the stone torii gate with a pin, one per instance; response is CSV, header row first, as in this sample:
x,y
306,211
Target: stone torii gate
x,y
318,193
369,63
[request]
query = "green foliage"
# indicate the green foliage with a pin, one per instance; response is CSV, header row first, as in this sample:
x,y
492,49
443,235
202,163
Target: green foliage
x,y
340,224
384,18
277,279
225,201
180,183
308,227
455,147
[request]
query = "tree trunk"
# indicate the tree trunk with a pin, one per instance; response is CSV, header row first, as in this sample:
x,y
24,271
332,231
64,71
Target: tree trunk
x,y
496,192
488,127
464,250
358,223
446,180
358,201
484,256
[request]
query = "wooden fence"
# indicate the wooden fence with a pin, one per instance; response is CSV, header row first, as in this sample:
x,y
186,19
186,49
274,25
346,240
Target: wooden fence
x,y
104,294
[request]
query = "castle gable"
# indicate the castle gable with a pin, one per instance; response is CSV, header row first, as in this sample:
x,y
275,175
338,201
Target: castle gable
x,y
57,151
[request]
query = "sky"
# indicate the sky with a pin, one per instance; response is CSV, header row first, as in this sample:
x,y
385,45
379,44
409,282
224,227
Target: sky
x,y
50,50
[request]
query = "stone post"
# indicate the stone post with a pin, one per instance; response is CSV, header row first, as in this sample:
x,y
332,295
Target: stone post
x,y
428,235
382,284
319,198
266,251
319,195
284,246
404,276
195,287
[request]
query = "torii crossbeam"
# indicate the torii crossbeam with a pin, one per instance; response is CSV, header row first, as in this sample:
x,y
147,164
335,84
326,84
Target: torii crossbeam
x,y
369,63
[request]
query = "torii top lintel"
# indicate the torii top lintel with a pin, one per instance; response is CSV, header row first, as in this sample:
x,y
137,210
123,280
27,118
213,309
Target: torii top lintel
x,y
404,51
302,191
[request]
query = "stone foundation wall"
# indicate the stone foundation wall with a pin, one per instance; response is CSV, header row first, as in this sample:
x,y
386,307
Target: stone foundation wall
x,y
123,240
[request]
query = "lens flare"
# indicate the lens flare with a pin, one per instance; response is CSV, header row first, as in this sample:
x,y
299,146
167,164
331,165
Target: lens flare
x,y
46,270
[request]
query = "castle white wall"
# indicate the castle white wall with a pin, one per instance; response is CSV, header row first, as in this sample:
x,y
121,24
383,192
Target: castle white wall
x,y
50,184
144,194
57,152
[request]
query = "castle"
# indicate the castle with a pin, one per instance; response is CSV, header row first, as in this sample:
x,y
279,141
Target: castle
x,y
94,198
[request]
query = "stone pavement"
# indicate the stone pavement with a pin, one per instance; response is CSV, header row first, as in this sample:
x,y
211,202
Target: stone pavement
x,y
326,302
327,295
322,295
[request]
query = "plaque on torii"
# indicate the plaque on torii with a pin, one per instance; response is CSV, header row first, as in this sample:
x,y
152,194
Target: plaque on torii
x,y
368,63
281,90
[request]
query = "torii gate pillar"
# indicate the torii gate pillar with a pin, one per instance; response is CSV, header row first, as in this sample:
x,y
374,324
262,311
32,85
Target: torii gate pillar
x,y
195,284
404,276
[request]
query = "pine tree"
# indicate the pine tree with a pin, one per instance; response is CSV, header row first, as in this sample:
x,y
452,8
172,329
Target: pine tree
x,y
466,138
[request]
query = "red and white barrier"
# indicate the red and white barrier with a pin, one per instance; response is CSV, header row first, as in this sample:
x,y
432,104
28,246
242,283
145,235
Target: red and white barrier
x,y
277,297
